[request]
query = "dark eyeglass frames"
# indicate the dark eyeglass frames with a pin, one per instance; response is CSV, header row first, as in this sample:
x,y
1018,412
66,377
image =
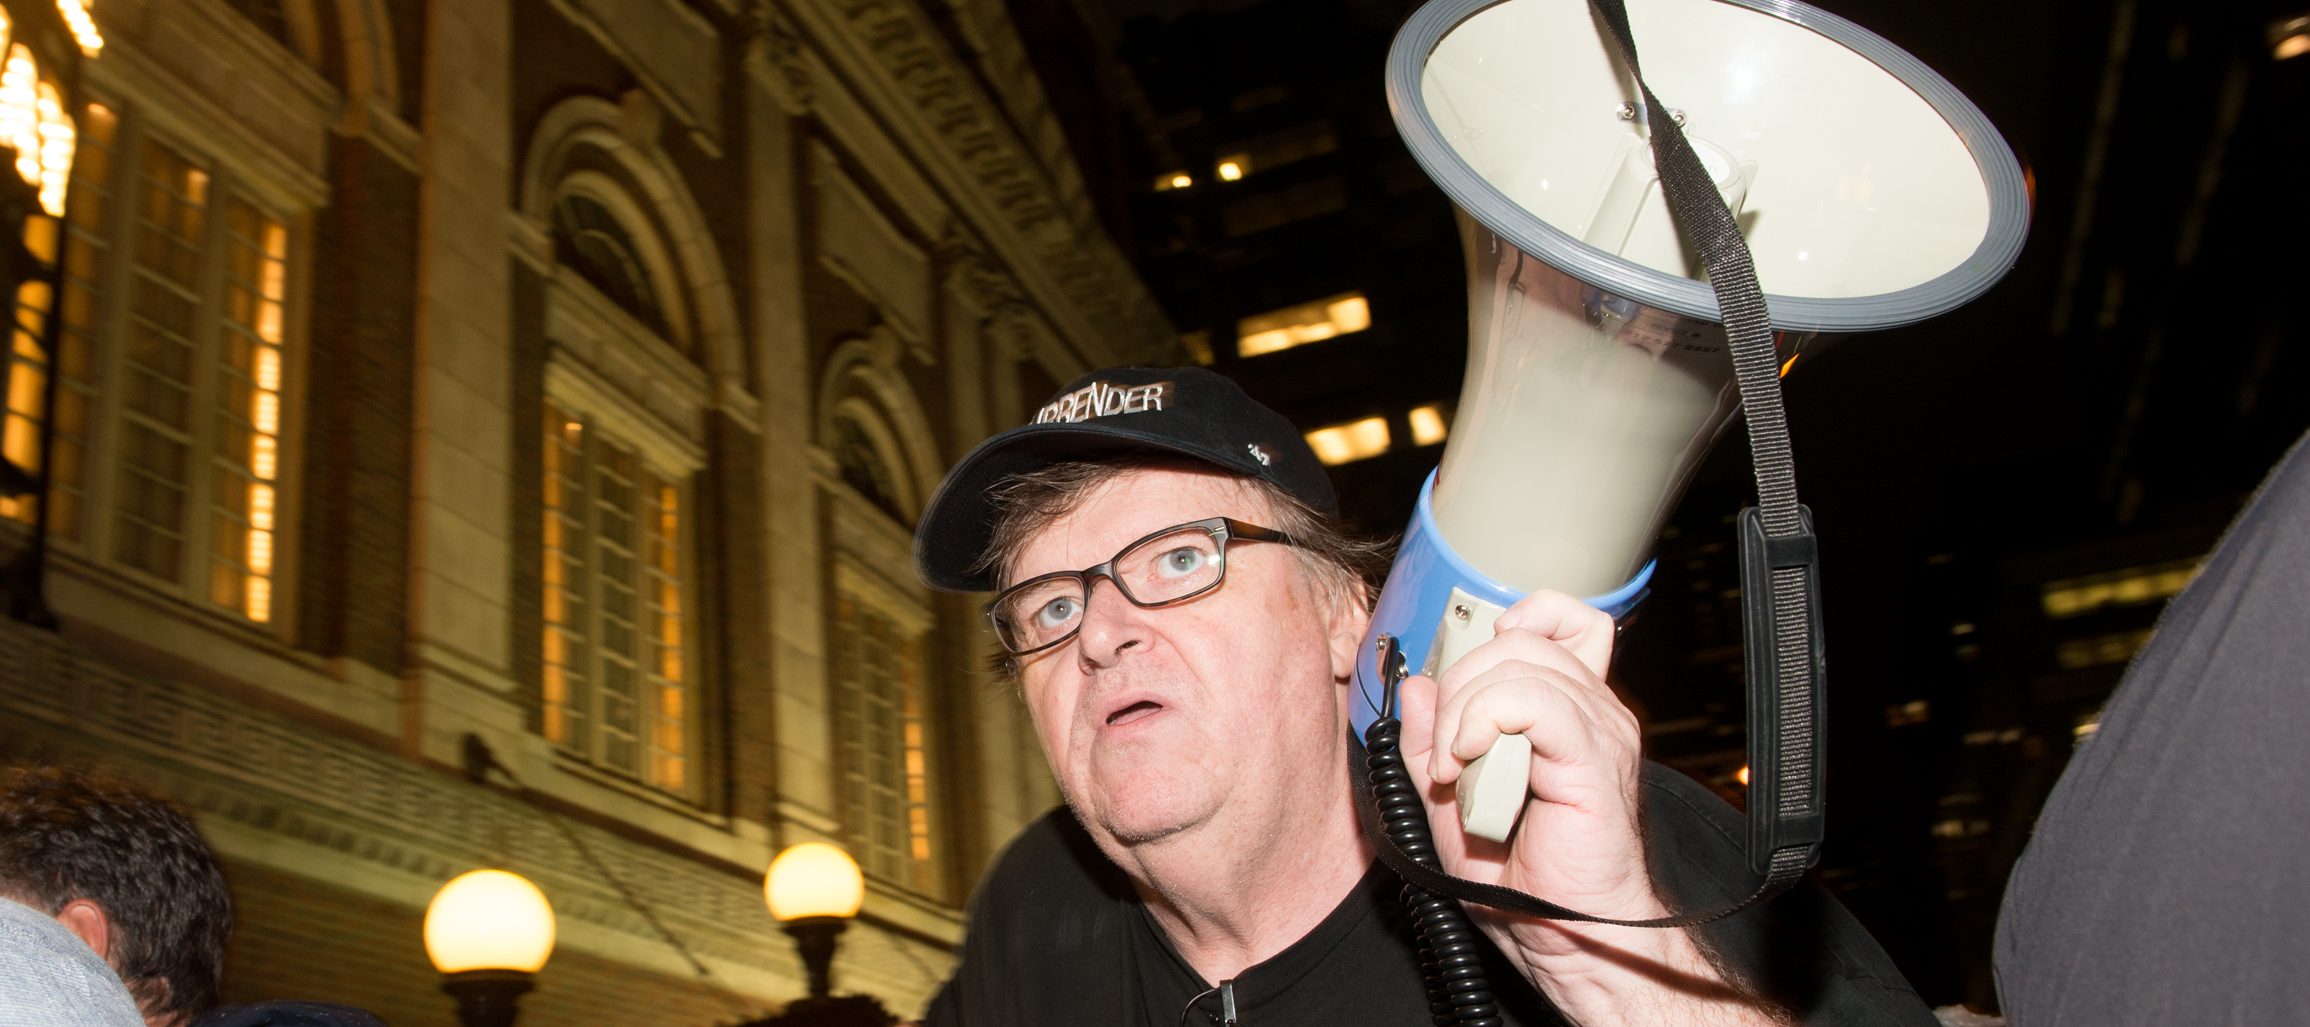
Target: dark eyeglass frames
x,y
1169,566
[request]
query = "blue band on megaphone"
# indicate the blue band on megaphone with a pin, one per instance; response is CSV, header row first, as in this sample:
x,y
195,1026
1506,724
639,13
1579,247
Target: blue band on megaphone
x,y
1419,585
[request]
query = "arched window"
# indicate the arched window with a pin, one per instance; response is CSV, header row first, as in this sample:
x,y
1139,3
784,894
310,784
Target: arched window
x,y
588,239
863,467
629,277
269,16
878,642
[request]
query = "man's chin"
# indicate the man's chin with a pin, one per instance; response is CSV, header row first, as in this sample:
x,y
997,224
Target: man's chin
x,y
1131,824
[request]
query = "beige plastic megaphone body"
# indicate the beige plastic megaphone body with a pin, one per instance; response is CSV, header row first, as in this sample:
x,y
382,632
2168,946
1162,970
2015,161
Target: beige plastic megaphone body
x,y
1871,193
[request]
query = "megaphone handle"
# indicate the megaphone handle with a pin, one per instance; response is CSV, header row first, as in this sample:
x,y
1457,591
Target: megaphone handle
x,y
1493,786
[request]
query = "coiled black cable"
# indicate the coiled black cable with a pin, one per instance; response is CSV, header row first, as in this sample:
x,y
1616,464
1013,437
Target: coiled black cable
x,y
1450,953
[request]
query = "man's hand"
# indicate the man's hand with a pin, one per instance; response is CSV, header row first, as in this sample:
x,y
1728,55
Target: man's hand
x,y
1579,843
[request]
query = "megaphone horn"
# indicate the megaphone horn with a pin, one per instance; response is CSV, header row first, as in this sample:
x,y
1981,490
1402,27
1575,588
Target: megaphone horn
x,y
1870,192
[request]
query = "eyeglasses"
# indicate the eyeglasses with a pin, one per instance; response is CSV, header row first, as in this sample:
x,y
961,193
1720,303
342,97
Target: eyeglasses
x,y
1169,566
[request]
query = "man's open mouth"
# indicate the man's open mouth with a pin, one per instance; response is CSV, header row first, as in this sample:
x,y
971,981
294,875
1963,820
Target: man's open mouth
x,y
1133,712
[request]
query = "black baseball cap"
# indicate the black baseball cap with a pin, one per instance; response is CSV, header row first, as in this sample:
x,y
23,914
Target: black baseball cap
x,y
1186,411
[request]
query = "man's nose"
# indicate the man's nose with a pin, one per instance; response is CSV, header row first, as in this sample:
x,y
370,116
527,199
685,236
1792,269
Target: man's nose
x,y
1111,623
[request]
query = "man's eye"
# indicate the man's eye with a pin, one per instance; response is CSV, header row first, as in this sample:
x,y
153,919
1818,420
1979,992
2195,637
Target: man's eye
x,y
1183,561
1058,611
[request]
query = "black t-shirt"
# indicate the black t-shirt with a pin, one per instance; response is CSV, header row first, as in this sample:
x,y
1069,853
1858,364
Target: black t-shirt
x,y
1057,936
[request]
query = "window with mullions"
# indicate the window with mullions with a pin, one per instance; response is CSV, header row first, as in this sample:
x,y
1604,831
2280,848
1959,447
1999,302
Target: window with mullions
x,y
616,655
172,363
878,727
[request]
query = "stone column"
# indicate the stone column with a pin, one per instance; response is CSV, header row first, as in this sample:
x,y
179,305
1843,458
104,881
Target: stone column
x,y
460,556
779,90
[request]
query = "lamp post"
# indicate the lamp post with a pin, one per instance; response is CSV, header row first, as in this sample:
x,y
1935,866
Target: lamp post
x,y
488,932
814,889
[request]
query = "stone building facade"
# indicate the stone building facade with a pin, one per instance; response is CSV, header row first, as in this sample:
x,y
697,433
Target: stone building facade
x,y
560,378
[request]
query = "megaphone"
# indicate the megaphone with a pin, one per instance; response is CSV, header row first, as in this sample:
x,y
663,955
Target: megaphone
x,y
1871,193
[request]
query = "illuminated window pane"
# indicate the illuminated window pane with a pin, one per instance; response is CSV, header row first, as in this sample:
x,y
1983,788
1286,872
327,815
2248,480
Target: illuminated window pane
x,y
56,145
1355,440
1198,346
2100,650
1302,323
83,27
2133,586
1427,425
27,366
77,368
20,110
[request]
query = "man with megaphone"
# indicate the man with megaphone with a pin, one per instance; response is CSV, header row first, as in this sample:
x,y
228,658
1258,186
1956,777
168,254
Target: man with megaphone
x,y
1183,616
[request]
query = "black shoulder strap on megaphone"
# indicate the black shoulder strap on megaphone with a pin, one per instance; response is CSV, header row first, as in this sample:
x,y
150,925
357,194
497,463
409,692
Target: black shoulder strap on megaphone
x,y
1779,563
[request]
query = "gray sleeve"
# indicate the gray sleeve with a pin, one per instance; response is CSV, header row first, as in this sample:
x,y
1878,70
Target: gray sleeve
x,y
2164,883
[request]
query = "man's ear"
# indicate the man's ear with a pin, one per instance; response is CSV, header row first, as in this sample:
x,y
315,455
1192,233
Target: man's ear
x,y
1351,617
89,920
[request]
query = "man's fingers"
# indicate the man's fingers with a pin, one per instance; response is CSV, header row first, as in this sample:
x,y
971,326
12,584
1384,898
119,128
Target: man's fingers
x,y
1585,630
1514,647
1416,699
1501,660
1565,720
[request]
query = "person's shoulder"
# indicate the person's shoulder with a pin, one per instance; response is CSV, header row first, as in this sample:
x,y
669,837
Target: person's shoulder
x,y
289,1014
1688,813
1802,948
52,979
1051,862
1051,910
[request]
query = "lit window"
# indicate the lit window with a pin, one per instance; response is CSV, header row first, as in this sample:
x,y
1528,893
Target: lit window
x,y
879,735
83,27
2134,586
1427,425
1288,145
1915,711
1355,440
615,649
2100,650
245,498
1198,346
1234,168
1314,321
1174,180
189,331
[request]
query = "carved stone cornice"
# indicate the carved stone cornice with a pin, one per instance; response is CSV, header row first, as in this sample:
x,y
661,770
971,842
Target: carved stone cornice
x,y
999,307
774,57
1029,205
346,805
973,275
